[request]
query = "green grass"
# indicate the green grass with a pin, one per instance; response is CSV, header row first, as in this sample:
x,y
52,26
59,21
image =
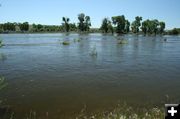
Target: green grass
x,y
126,112
119,112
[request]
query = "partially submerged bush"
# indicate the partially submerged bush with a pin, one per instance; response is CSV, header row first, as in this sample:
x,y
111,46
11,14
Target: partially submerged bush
x,y
66,43
94,51
123,42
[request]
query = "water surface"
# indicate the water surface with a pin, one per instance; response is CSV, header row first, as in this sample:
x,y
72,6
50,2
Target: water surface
x,y
45,76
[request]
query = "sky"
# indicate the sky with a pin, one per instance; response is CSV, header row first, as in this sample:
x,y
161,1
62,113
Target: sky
x,y
50,12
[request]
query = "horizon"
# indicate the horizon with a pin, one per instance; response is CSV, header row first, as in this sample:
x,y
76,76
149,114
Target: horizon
x,y
51,13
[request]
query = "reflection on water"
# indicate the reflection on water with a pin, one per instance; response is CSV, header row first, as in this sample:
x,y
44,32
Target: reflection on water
x,y
46,76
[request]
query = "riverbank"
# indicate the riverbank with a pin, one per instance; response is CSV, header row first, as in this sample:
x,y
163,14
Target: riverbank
x,y
122,111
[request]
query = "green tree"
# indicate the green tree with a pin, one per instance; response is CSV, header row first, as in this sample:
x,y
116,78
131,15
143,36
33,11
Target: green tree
x,y
152,27
127,25
87,23
110,27
144,27
81,18
73,27
136,24
66,23
155,24
37,28
175,31
24,26
104,26
119,22
84,22
9,27
162,27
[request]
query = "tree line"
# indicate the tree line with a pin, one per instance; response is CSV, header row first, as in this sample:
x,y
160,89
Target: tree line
x,y
117,24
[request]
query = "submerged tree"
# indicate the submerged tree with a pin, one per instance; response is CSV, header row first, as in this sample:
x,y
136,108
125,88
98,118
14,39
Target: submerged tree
x,y
66,23
136,24
84,22
119,22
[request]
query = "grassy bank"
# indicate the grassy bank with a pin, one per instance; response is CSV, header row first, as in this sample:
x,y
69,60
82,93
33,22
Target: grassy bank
x,y
119,112
127,112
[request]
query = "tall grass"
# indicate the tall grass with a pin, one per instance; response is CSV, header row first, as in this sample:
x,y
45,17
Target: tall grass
x,y
120,112
126,112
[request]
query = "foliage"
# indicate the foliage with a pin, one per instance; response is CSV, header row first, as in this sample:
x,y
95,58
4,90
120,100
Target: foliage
x,y
24,26
162,27
136,24
117,23
9,26
66,24
37,28
152,27
174,31
127,25
72,26
106,26
84,22
125,112
120,23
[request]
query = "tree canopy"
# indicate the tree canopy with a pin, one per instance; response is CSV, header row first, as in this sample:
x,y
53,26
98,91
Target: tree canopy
x,y
136,24
24,26
84,22
152,27
66,23
118,24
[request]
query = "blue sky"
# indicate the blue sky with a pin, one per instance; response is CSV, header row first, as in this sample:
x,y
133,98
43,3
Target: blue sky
x,y
51,11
